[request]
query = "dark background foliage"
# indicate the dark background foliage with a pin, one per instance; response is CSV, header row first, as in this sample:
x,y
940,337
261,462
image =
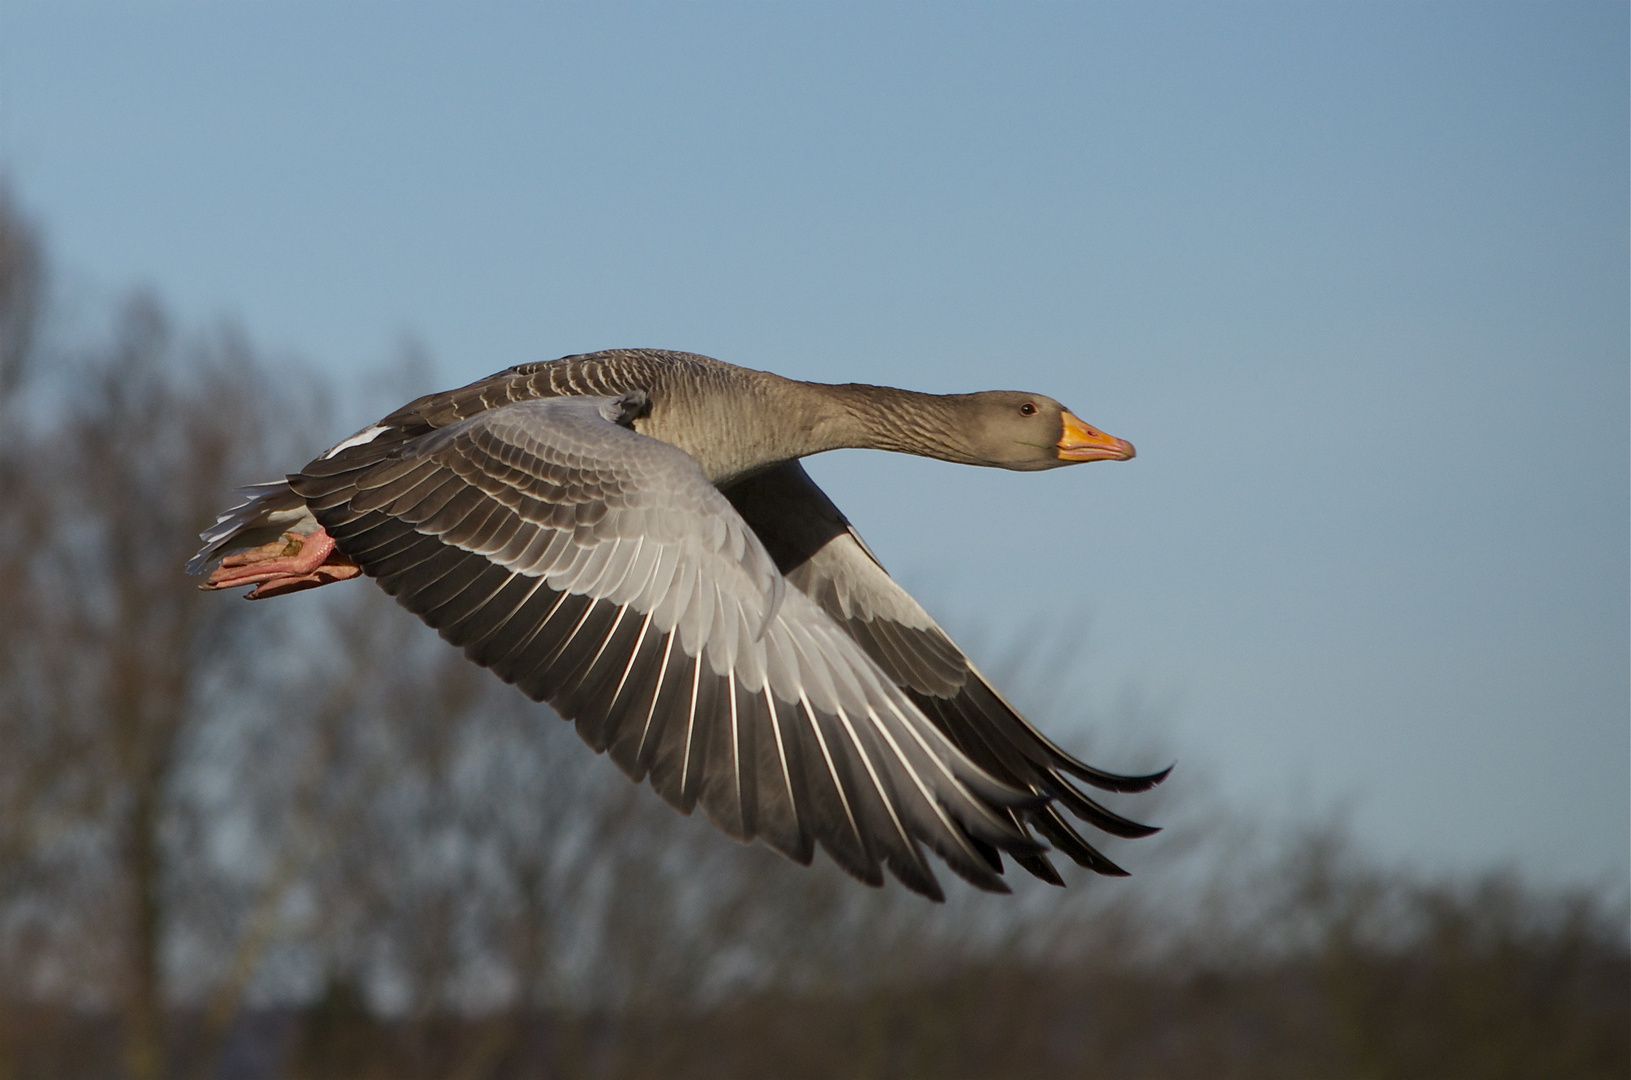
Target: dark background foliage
x,y
305,840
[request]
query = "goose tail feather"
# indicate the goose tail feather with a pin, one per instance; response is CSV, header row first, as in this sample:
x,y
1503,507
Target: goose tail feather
x,y
267,511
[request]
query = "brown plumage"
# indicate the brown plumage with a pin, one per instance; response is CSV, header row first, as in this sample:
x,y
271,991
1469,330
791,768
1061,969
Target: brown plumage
x,y
629,536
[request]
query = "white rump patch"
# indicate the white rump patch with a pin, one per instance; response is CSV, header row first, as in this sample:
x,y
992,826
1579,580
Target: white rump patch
x,y
366,435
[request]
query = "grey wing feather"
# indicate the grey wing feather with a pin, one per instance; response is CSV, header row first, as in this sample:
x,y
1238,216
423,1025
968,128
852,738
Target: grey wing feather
x,y
598,570
267,511
270,509
821,554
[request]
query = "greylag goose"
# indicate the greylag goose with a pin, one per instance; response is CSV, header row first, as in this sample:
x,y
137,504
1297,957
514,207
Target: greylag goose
x,y
629,536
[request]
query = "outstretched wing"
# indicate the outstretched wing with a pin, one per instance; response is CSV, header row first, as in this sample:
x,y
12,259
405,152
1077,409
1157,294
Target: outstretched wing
x,y
821,554
598,570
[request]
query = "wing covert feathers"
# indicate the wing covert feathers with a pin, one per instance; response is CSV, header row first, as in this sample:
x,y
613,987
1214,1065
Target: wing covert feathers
x,y
598,570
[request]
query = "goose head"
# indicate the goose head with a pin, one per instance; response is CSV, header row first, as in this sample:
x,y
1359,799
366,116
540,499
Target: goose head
x,y
1013,430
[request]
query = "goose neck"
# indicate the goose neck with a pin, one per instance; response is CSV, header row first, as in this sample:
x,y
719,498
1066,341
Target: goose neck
x,y
862,416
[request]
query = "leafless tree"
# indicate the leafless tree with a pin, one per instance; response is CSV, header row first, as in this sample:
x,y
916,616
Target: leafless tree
x,y
106,655
22,522
313,820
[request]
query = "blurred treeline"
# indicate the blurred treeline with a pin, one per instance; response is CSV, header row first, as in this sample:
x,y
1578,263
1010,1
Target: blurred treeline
x,y
302,839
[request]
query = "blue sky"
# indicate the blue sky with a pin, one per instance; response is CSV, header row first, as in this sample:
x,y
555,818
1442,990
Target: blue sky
x,y
1353,278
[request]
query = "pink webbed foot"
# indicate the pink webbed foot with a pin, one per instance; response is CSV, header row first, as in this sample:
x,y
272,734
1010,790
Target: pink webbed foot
x,y
295,562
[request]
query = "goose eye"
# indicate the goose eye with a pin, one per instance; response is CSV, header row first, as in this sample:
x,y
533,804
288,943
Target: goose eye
x,y
1027,409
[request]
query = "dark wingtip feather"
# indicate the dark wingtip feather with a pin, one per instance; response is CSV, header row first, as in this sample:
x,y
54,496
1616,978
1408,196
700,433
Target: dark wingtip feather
x,y
1040,867
983,880
916,876
1109,781
1101,818
1073,844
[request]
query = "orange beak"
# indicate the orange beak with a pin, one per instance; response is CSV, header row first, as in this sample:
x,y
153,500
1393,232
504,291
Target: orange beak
x,y
1083,442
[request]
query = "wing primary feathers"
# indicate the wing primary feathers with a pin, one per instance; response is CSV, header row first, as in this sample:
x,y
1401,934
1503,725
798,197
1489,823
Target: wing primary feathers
x,y
961,856
634,654
815,546
1101,818
391,569
737,775
988,853
469,601
1109,781
781,821
588,702
491,647
527,664
377,538
624,734
577,698
690,725
574,556
493,617
656,695
847,847
668,745
1010,757
1038,865
575,661
744,794
1050,824
543,674
532,663
1003,796
432,600
421,576
906,861
507,662
1009,722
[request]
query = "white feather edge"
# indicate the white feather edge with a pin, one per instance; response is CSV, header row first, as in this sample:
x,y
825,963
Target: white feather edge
x,y
271,505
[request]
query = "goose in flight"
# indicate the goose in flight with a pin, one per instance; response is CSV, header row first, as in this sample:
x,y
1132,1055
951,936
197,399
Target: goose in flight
x,y
629,536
